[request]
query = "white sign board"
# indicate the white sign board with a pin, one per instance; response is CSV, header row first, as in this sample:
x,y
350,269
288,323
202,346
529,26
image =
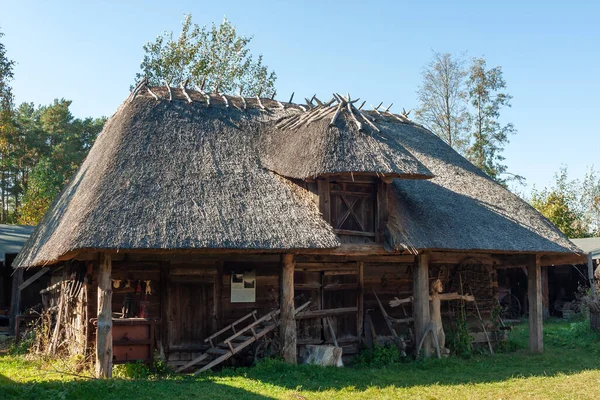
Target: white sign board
x,y
243,287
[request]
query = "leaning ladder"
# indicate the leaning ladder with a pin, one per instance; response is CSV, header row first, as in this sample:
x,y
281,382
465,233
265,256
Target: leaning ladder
x,y
238,341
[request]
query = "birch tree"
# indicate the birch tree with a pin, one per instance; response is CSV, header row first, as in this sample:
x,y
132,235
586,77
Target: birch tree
x,y
443,99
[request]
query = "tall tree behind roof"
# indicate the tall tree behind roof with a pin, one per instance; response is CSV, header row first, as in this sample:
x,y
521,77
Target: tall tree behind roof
x,y
443,99
487,96
215,58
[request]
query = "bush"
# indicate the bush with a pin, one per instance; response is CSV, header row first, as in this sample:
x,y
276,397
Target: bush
x,y
378,356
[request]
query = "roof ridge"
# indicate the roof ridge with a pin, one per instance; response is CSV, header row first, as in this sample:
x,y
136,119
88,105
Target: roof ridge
x,y
338,102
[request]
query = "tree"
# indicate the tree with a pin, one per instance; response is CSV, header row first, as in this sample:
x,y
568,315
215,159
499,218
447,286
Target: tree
x,y
215,59
571,205
7,126
58,143
442,96
488,136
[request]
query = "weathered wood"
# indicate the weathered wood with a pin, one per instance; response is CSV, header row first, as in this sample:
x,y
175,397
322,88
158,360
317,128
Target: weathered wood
x,y
15,299
545,293
534,292
104,332
421,301
590,269
164,305
382,210
324,198
217,297
288,321
360,300
561,259
33,278
327,312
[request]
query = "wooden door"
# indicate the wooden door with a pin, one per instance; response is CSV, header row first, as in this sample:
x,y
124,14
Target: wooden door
x,y
189,314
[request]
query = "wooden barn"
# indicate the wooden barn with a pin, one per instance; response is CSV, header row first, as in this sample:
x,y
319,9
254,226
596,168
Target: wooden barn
x,y
201,225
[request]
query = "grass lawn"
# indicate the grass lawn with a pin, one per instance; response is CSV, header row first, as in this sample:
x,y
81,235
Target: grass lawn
x,y
568,369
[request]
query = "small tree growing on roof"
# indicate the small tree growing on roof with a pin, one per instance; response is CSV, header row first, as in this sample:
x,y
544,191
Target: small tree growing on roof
x,y
215,59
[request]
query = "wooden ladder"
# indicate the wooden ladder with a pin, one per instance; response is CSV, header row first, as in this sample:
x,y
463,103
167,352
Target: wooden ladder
x,y
239,340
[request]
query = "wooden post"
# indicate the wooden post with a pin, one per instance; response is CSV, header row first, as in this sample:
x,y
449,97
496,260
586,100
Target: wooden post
x,y
164,308
15,300
545,293
217,294
421,313
288,320
104,332
590,268
534,294
324,198
360,301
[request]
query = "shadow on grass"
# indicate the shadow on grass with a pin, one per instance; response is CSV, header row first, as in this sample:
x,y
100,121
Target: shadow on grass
x,y
124,389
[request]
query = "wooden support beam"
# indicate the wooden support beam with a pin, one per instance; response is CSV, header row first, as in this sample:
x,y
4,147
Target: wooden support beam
x,y
421,313
562,259
590,268
545,293
15,300
288,320
324,198
104,351
360,300
217,295
534,292
164,306
33,278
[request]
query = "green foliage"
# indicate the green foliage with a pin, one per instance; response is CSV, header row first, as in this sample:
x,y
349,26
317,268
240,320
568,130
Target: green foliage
x,y
462,106
567,369
460,339
23,346
571,205
442,95
216,58
377,357
132,370
487,97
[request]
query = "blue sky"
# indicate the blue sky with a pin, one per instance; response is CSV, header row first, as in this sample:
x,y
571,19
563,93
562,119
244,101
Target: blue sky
x,y
89,52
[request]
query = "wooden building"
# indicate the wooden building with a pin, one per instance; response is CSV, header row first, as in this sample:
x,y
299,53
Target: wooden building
x,y
195,211
16,292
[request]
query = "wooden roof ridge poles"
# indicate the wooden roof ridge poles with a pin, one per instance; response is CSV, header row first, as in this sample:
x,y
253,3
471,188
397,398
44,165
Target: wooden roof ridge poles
x,y
104,342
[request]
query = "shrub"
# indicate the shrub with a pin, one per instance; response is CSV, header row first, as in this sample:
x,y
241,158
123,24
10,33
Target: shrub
x,y
378,356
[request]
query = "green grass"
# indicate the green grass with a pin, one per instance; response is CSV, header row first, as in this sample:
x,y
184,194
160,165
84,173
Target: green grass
x,y
569,368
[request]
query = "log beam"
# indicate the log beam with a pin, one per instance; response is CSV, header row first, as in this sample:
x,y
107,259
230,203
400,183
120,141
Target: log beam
x,y
534,292
15,300
104,341
288,320
421,312
217,295
590,269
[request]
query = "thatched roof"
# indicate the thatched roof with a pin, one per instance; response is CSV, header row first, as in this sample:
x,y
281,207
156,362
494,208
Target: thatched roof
x,y
173,175
182,174
310,145
461,208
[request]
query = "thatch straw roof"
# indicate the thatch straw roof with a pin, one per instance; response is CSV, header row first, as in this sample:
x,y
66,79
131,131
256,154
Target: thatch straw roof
x,y
313,146
184,175
461,208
